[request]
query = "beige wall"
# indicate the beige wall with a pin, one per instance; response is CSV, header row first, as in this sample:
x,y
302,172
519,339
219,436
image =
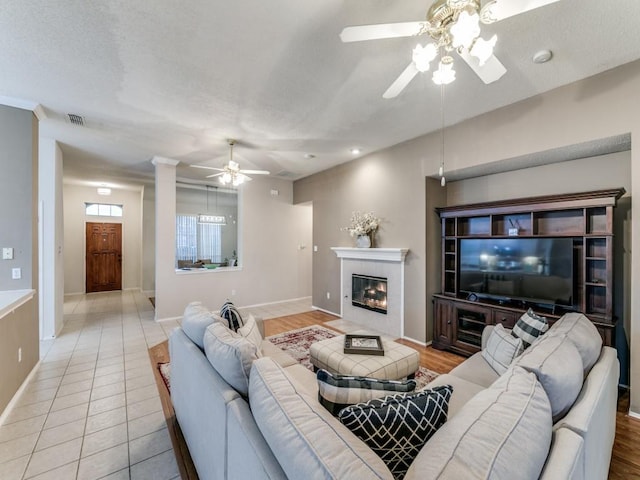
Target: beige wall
x,y
390,183
75,220
18,329
599,107
272,266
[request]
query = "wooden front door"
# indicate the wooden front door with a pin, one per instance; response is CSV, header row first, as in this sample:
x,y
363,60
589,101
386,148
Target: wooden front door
x,y
104,257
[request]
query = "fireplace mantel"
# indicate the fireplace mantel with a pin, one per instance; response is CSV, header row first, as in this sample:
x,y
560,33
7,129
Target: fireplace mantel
x,y
379,254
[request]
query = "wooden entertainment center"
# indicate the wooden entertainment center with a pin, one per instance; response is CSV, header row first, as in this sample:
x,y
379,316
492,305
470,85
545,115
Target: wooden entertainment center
x,y
586,218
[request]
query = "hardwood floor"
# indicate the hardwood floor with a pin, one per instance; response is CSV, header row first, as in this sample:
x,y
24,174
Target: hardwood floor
x,y
625,461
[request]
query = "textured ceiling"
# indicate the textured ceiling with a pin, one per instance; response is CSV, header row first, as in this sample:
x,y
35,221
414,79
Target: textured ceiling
x,y
176,79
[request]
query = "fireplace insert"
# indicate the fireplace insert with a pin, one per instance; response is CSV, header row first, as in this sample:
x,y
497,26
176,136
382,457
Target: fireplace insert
x,y
369,293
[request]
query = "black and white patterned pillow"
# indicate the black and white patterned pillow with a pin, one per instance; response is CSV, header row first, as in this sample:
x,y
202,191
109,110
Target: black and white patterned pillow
x,y
397,426
336,392
529,327
231,314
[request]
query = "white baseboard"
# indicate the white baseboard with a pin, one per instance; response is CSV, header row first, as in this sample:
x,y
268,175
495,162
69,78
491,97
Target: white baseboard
x,y
148,293
326,311
168,319
16,396
413,340
634,414
275,303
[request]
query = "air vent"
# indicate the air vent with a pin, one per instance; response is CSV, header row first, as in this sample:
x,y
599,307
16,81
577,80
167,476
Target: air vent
x,y
76,119
285,174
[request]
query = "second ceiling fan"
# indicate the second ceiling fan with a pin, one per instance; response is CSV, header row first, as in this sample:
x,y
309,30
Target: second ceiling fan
x,y
454,26
231,173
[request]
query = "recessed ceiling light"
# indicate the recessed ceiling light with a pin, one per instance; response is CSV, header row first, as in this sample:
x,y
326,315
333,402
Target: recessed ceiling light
x,y
355,151
542,56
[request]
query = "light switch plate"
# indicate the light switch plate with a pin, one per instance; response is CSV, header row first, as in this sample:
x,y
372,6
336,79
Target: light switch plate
x,y
7,253
16,273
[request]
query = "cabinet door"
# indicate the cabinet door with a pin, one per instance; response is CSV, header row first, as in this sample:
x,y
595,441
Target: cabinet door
x,y
442,318
469,321
506,318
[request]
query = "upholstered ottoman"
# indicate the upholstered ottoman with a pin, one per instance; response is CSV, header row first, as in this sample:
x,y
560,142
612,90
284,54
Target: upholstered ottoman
x,y
398,361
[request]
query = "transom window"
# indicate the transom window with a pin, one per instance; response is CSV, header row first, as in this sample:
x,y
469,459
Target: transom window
x,y
103,209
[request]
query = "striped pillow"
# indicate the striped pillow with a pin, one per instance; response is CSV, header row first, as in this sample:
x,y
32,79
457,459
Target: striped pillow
x,y
336,392
501,349
529,327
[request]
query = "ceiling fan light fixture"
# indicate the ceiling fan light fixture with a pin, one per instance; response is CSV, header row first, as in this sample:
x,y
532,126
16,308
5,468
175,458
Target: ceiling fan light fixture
x,y
445,73
422,56
466,29
483,49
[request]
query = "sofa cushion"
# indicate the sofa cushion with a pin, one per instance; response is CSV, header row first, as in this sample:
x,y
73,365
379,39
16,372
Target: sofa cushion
x,y
529,327
231,355
475,369
501,349
336,392
558,366
195,320
463,391
305,438
250,331
506,428
397,426
584,335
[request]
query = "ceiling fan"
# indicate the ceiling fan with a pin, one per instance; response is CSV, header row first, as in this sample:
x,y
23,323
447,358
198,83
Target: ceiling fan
x,y
231,172
454,26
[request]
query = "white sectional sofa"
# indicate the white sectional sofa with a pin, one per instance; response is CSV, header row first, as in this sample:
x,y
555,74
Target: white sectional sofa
x,y
499,426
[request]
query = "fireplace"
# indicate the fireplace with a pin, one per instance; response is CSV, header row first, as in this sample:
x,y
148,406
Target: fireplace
x,y
369,293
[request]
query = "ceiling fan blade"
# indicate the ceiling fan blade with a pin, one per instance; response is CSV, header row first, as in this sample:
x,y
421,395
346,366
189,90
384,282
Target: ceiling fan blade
x,y
255,172
385,30
207,168
501,9
491,71
214,175
401,82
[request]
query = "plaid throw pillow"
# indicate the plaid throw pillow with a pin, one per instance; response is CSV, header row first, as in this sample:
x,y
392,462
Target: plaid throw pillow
x,y
529,327
336,392
501,349
396,427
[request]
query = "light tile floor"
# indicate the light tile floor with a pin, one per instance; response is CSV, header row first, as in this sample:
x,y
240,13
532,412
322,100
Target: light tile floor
x,y
92,409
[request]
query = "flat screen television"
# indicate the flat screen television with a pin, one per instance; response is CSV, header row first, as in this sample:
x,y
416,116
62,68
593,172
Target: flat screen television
x,y
534,270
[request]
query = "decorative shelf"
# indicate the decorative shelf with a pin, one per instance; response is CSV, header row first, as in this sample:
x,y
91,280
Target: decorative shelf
x,y
380,254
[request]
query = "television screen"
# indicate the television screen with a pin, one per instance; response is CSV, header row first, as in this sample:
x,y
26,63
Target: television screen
x,y
537,270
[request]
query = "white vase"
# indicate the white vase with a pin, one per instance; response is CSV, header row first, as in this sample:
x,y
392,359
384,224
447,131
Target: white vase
x,y
363,241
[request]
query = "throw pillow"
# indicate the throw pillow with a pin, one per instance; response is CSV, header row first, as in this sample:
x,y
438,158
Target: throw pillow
x,y
251,332
529,327
397,426
231,355
557,364
501,349
231,314
195,320
336,392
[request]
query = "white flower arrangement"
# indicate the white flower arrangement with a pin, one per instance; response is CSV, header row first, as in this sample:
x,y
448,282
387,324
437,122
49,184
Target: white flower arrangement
x,y
362,224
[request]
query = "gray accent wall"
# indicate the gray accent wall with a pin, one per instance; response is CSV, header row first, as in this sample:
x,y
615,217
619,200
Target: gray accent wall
x,y
18,196
18,229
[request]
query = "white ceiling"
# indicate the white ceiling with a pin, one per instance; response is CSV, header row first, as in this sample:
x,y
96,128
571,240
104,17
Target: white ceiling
x,y
176,79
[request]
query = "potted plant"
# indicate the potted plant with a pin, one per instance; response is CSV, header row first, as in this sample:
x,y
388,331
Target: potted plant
x,y
363,226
